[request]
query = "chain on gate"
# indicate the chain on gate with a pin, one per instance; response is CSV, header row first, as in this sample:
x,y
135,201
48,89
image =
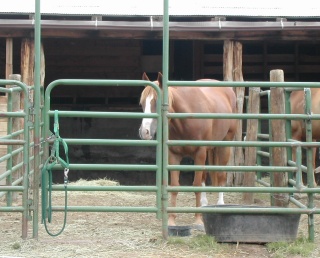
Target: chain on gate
x,y
54,159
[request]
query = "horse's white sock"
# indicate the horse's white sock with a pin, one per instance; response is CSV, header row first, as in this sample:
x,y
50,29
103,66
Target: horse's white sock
x,y
204,200
220,200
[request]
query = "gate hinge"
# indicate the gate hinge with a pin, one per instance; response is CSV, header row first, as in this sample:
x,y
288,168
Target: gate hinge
x,y
31,209
31,116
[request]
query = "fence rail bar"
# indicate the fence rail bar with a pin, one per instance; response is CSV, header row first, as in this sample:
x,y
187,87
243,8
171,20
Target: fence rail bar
x,y
11,188
12,142
105,209
286,85
243,116
105,188
9,172
104,114
232,168
108,167
244,210
111,142
242,189
242,143
12,114
12,209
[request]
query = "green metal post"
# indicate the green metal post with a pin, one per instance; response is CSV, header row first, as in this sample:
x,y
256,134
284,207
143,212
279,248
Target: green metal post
x,y
9,148
165,137
36,176
288,129
299,183
270,149
310,172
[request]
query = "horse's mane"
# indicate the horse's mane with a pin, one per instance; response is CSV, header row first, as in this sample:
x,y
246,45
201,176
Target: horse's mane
x,y
149,90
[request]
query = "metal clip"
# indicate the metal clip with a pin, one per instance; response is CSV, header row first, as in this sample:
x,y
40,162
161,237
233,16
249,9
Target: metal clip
x,y
46,140
52,159
66,171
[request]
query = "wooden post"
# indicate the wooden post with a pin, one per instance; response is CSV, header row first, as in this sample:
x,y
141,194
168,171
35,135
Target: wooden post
x,y
228,60
240,91
232,71
9,57
279,154
27,63
249,178
27,75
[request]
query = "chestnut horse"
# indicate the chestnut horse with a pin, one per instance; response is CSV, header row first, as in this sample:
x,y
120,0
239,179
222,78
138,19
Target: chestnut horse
x,y
193,100
298,126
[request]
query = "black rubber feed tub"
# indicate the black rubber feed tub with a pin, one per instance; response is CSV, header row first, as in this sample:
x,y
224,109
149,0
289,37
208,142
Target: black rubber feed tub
x,y
250,227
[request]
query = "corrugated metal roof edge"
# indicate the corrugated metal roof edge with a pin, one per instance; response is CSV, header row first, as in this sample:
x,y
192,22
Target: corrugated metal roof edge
x,y
157,15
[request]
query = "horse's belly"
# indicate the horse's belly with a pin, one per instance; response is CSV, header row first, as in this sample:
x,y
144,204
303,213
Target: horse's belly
x,y
316,129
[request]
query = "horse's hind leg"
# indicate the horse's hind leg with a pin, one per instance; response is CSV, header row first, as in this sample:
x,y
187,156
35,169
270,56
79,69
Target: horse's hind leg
x,y
203,199
220,156
199,159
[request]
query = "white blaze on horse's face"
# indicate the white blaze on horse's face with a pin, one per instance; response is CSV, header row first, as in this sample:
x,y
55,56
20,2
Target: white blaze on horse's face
x,y
148,126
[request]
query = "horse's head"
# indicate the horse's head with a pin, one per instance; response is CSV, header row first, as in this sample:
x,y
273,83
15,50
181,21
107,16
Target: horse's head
x,y
148,101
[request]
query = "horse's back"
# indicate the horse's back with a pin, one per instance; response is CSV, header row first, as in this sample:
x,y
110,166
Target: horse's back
x,y
204,100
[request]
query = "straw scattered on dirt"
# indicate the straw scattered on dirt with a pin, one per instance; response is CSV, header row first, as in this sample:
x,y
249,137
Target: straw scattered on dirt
x,y
119,234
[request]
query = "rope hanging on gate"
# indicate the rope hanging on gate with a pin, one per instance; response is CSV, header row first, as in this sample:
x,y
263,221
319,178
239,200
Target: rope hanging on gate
x,y
54,159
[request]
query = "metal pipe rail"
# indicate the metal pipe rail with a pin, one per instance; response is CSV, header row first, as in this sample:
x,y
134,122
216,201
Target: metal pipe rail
x,y
245,211
236,189
243,116
286,85
110,142
96,114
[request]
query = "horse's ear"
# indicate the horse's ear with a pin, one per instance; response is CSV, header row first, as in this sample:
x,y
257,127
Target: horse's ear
x,y
160,79
145,77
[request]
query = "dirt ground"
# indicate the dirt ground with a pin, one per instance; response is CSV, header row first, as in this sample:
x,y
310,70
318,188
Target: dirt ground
x,y
121,234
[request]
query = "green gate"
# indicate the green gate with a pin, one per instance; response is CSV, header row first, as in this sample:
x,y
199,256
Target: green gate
x,y
17,174
56,159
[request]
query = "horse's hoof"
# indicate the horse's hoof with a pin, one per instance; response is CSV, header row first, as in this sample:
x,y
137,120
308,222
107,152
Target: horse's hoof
x,y
199,227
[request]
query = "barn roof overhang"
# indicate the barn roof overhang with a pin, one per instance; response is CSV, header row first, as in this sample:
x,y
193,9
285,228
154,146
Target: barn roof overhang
x,y
151,25
131,18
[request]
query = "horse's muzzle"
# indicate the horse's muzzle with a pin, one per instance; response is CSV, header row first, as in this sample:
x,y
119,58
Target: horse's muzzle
x,y
145,134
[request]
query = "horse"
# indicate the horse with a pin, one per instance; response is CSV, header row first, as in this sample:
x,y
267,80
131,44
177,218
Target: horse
x,y
193,100
298,127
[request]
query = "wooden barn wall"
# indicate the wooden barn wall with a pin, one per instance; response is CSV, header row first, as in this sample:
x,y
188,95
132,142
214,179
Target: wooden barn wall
x,y
299,60
92,59
16,56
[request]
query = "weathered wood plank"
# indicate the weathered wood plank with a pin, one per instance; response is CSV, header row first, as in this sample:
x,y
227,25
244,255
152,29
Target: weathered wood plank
x,y
278,154
250,152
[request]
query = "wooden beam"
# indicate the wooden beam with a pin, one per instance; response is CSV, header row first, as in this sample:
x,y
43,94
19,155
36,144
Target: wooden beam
x,y
295,35
9,57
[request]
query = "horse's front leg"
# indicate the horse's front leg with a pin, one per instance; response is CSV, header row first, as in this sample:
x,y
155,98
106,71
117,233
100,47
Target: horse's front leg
x,y
174,175
219,156
314,153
